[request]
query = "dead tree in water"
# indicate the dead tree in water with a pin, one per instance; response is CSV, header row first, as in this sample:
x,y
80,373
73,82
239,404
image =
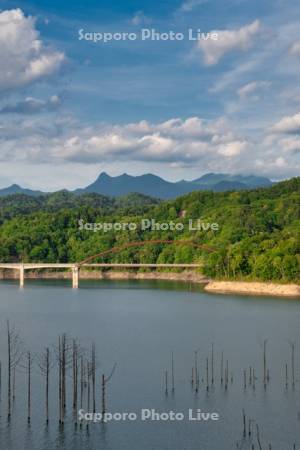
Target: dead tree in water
x,y
249,427
75,373
258,437
292,344
93,370
45,364
222,362
265,363
82,380
166,382
104,383
64,362
196,371
207,378
14,384
29,388
212,363
244,424
14,355
192,377
172,373
88,385
27,368
226,375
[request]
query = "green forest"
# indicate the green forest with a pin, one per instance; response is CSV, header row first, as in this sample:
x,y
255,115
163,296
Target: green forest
x,y
257,237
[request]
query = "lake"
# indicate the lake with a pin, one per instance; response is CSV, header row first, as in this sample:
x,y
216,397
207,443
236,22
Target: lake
x,y
136,325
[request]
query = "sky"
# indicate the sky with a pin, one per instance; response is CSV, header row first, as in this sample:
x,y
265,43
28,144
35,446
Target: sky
x,y
73,105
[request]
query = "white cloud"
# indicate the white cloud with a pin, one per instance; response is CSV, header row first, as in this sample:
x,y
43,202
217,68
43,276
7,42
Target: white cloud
x,y
228,41
280,162
288,124
251,88
189,5
191,144
31,105
290,145
295,49
24,57
174,141
140,18
233,148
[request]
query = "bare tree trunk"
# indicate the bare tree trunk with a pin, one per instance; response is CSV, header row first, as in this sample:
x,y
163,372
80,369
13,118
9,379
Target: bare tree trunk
x,y
9,371
226,375
64,376
29,388
47,384
293,365
207,378
222,359
89,384
14,384
81,381
196,371
59,380
172,372
212,363
94,376
166,382
103,396
258,437
265,363
75,374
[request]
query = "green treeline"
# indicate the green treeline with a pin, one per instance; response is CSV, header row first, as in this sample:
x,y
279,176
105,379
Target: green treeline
x,y
258,236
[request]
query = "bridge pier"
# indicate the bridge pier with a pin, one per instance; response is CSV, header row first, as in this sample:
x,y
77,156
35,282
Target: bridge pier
x,y
75,277
21,277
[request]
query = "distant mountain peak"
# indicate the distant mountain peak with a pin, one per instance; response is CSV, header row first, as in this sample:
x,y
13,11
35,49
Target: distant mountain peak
x,y
103,175
154,186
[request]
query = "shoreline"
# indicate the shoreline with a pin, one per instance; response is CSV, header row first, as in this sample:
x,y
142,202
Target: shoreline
x,y
210,286
253,288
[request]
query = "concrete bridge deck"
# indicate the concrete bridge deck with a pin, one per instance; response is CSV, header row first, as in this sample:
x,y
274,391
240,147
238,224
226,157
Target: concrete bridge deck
x,y
75,267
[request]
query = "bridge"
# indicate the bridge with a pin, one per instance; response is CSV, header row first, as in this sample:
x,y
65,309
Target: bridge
x,y
86,263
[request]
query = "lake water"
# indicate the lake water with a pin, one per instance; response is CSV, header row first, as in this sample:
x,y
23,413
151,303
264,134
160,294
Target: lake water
x,y
137,325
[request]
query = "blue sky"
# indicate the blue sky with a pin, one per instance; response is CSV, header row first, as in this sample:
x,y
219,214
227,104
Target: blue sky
x,y
72,108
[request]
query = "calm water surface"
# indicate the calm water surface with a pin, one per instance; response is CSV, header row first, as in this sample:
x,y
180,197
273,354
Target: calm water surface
x,y
137,325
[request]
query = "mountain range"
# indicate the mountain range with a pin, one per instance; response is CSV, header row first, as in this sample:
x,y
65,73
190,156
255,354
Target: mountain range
x,y
154,186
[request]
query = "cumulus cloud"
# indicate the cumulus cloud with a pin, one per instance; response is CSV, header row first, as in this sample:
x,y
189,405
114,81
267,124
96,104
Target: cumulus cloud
x,y
288,125
24,57
228,41
31,105
190,144
175,141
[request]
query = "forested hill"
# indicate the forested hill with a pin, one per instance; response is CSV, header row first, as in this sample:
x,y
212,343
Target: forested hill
x,y
19,204
258,235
